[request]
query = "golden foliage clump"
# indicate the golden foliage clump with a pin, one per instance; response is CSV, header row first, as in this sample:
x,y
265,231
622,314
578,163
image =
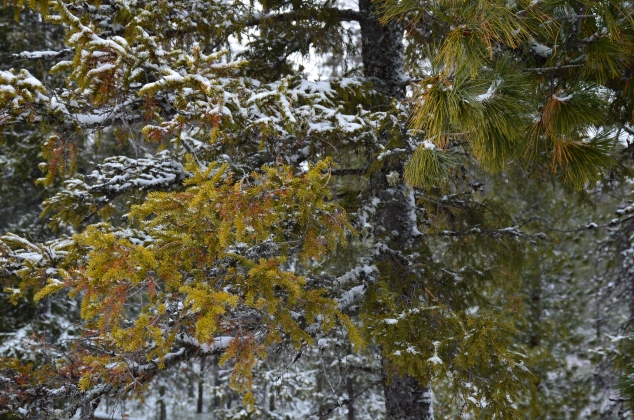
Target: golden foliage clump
x,y
213,277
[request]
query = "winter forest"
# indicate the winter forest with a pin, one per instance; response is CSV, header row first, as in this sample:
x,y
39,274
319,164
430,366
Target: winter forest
x,y
321,209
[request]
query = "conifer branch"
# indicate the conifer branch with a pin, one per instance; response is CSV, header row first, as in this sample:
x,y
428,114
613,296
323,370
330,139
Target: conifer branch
x,y
512,231
341,15
41,55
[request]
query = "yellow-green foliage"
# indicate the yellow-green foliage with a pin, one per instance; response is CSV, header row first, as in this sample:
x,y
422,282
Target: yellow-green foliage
x,y
431,342
216,267
429,167
478,97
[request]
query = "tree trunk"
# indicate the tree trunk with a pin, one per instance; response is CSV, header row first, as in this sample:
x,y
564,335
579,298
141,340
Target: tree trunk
x,y
162,410
201,384
215,401
382,50
405,399
199,406
350,391
382,54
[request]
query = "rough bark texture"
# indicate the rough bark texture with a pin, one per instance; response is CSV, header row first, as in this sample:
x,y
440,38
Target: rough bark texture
x,y
382,54
405,399
199,405
382,50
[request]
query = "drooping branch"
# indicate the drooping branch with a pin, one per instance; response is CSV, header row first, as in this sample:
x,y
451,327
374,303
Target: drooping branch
x,y
88,401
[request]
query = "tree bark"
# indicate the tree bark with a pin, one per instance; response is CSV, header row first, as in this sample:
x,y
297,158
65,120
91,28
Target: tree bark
x,y
350,391
405,399
162,410
382,50
215,401
201,384
199,406
382,54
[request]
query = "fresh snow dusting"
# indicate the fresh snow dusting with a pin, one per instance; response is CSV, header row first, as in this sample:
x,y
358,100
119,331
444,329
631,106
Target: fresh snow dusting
x,y
541,50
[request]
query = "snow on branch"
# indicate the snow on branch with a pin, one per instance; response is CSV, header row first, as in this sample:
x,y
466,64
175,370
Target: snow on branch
x,y
512,231
120,174
43,55
114,177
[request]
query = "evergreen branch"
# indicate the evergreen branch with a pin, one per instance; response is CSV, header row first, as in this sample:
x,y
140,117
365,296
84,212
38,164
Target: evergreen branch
x,y
342,15
41,55
512,231
532,6
589,226
351,296
88,401
115,177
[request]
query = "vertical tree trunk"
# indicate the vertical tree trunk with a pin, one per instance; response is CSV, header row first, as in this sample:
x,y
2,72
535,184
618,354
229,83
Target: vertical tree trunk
x,y
350,391
190,382
536,314
382,54
405,399
382,50
44,307
215,401
199,407
162,410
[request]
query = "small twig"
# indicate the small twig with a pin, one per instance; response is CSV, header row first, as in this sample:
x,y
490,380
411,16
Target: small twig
x,y
350,171
566,66
627,130
572,17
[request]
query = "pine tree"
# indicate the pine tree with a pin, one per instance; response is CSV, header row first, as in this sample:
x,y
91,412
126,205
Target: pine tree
x,y
276,212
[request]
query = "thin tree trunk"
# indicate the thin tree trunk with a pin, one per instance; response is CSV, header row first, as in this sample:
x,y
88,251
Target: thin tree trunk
x,y
162,410
215,401
199,407
190,382
44,307
536,310
382,54
350,391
